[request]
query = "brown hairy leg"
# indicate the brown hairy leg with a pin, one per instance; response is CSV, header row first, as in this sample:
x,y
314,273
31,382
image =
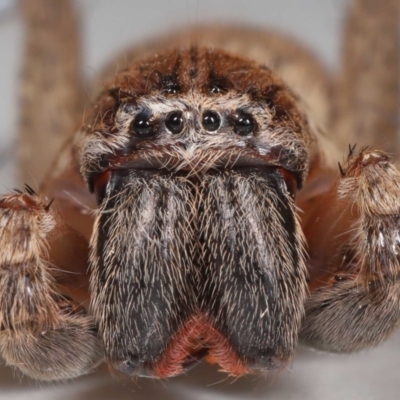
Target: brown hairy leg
x,y
352,229
367,94
46,331
51,95
353,239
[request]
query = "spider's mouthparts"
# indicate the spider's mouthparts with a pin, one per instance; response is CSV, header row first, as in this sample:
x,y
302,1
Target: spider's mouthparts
x,y
193,168
182,280
195,341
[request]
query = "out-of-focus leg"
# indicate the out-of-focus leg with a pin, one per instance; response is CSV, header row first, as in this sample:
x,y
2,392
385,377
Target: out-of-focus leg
x,y
51,105
367,97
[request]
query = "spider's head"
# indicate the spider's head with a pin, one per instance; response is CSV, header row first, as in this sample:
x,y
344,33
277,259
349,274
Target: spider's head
x,y
193,111
195,157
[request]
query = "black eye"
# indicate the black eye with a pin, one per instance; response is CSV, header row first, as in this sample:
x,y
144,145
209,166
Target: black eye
x,y
174,122
211,120
244,124
141,126
171,89
216,90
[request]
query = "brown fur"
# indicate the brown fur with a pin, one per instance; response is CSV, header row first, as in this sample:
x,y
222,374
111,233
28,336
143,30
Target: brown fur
x,y
197,243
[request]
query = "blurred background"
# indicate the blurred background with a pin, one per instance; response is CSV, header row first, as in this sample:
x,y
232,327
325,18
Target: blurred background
x,y
110,26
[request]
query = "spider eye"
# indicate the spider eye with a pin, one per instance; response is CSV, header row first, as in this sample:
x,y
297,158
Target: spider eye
x,y
171,89
174,122
142,127
216,90
244,124
211,120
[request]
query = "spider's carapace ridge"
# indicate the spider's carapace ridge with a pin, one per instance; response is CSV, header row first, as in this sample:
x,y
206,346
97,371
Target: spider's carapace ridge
x,y
224,228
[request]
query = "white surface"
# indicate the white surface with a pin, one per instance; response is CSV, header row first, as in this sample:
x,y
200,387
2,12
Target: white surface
x,y
109,26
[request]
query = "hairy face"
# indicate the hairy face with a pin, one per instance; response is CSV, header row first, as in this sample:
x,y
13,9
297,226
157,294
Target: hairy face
x,y
195,157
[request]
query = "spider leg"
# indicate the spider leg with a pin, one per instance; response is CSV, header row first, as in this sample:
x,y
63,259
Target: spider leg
x,y
353,235
366,97
51,105
46,331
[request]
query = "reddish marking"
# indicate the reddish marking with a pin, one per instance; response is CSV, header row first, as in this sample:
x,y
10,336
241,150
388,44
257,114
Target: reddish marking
x,y
195,335
101,183
21,202
290,180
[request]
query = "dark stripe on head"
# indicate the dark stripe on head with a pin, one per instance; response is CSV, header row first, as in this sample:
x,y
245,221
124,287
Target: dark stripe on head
x,y
194,67
171,83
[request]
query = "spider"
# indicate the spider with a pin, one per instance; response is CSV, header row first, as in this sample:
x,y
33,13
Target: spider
x,y
213,155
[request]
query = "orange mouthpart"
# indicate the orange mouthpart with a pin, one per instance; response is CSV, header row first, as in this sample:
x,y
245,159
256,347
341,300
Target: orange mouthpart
x,y
195,340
